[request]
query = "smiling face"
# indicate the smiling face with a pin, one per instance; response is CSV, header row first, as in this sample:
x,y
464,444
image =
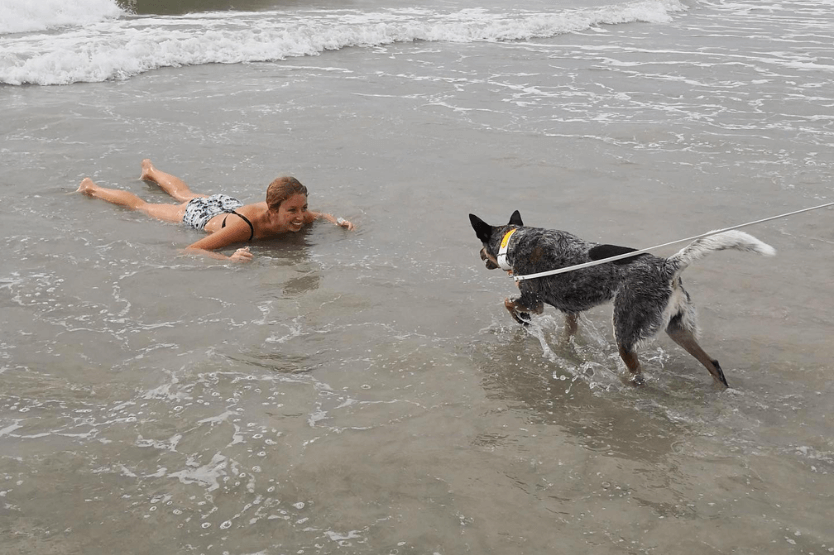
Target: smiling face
x,y
292,213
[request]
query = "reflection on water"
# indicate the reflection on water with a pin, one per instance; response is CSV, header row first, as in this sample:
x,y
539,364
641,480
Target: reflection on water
x,y
562,390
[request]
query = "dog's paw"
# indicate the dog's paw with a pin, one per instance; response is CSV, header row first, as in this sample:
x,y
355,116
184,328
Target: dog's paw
x,y
720,374
522,318
637,380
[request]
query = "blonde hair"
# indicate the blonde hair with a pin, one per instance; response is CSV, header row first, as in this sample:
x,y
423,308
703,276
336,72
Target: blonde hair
x,y
281,189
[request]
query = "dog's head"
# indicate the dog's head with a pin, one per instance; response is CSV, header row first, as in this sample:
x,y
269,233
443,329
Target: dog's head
x,y
490,237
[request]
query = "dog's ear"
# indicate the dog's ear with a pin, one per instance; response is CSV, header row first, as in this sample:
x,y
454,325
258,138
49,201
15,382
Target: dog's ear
x,y
482,229
515,219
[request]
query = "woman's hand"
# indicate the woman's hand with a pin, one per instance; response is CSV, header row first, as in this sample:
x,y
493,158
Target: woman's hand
x,y
344,223
241,255
341,222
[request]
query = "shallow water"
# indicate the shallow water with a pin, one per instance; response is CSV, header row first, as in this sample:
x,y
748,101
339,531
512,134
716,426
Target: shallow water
x,y
366,392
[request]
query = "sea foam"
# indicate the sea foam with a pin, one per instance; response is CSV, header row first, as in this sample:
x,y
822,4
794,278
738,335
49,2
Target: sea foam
x,y
124,47
41,15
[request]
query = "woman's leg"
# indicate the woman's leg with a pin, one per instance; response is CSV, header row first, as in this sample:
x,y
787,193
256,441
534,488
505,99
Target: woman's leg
x,y
164,212
172,185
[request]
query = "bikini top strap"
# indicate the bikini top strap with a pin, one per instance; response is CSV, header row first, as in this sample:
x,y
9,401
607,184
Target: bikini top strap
x,y
245,219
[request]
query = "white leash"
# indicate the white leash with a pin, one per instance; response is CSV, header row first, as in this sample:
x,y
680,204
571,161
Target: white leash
x,y
641,251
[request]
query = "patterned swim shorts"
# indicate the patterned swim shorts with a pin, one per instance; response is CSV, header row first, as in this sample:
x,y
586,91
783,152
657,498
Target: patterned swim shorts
x,y
200,210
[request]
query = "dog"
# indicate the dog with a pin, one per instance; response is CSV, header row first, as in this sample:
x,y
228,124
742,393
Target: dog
x,y
647,290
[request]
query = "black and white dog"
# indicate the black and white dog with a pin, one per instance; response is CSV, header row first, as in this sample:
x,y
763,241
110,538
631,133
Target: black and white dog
x,y
647,290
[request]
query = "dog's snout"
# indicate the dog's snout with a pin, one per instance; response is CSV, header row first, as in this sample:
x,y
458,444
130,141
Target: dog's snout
x,y
490,263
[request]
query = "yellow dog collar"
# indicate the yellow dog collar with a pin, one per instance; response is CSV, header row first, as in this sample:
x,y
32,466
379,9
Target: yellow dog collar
x,y
502,253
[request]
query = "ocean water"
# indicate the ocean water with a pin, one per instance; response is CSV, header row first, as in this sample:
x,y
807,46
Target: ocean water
x,y
366,392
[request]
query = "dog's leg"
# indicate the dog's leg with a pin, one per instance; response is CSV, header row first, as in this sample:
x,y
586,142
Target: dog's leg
x,y
521,317
520,310
686,339
631,361
571,324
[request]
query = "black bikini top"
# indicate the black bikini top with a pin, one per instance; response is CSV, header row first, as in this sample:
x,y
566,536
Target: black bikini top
x,y
245,219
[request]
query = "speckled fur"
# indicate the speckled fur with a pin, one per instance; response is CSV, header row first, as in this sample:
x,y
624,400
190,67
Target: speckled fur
x,y
647,290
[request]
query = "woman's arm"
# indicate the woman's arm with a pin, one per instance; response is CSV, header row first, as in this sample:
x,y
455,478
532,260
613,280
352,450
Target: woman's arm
x,y
236,232
330,218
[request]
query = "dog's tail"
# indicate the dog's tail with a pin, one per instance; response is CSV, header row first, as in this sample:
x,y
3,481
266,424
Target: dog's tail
x,y
699,248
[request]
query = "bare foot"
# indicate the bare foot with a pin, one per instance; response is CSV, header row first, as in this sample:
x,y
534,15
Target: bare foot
x,y
87,187
147,169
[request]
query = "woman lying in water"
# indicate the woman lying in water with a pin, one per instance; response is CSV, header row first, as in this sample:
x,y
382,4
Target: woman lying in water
x,y
227,220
